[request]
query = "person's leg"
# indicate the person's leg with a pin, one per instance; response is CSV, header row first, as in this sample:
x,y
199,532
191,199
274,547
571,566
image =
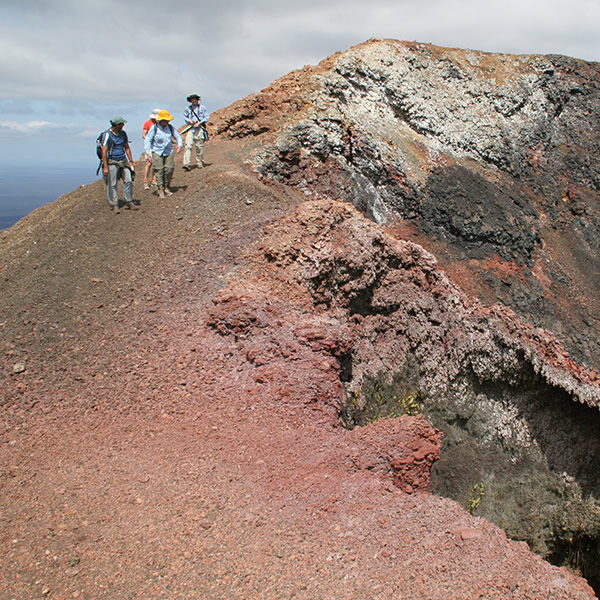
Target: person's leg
x,y
127,185
147,171
157,167
169,168
200,148
187,149
111,186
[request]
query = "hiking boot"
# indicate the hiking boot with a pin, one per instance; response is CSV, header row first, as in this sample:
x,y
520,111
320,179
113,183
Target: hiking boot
x,y
146,185
131,206
168,192
161,194
187,167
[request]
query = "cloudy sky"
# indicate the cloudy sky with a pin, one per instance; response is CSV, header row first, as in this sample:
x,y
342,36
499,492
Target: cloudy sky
x,y
67,66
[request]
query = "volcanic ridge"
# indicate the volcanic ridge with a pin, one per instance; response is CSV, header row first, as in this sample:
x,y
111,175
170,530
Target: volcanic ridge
x,y
355,356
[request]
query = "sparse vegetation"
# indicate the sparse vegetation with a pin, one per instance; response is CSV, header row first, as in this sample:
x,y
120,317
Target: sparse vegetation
x,y
379,399
476,495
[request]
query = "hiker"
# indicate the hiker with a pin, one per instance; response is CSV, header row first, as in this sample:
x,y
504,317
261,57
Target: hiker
x,y
117,163
148,163
196,116
158,146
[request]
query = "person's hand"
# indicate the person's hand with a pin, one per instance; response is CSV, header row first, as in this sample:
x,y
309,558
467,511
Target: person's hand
x,y
104,169
178,149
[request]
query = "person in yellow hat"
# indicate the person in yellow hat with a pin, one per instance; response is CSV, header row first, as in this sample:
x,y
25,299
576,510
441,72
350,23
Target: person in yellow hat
x,y
158,146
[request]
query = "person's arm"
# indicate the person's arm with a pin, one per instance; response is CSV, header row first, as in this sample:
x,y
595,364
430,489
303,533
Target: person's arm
x,y
188,116
105,154
178,139
147,139
128,154
204,116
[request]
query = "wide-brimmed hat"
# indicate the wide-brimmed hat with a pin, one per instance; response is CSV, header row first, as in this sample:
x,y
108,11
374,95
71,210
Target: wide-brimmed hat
x,y
164,115
154,114
117,121
189,98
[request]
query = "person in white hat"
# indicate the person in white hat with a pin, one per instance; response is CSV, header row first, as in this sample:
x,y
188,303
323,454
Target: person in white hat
x,y
148,166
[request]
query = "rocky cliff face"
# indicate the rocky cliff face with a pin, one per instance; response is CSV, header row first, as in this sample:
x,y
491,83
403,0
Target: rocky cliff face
x,y
490,163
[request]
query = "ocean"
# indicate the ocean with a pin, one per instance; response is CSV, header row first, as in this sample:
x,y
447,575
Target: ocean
x,y
23,189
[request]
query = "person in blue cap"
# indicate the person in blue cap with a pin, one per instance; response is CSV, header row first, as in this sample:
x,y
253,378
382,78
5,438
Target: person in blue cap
x,y
117,163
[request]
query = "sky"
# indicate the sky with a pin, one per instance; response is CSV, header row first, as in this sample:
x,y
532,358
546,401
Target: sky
x,y
68,66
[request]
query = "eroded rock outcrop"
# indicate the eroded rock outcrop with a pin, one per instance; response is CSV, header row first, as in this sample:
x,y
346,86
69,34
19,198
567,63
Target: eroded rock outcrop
x,y
406,340
490,159
490,320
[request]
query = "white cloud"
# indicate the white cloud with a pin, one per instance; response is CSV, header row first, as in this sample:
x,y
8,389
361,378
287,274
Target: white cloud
x,y
28,127
77,63
119,51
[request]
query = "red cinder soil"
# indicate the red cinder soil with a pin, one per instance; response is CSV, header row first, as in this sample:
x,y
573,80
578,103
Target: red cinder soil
x,y
170,431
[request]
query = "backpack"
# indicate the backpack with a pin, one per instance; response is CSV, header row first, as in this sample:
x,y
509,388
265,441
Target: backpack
x,y
109,145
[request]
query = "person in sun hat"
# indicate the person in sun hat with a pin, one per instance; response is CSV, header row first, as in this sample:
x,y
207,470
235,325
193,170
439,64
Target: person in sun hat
x,y
148,165
196,116
158,146
117,163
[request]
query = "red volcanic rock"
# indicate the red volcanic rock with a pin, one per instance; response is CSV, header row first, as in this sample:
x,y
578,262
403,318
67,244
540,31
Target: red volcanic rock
x,y
404,448
282,344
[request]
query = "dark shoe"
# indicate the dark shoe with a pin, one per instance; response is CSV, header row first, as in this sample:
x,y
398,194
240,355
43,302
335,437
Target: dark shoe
x,y
131,206
187,168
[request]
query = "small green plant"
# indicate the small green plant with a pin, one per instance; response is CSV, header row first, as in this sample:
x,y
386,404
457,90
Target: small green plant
x,y
410,404
476,496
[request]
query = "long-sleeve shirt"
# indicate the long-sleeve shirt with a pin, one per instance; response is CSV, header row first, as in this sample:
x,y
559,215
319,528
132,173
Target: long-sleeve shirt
x,y
196,115
158,140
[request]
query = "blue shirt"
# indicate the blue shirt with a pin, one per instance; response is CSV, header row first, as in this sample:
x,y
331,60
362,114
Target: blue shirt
x,y
158,140
196,115
116,150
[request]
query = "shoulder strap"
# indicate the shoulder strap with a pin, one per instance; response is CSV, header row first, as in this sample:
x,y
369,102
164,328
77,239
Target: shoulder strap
x,y
155,127
109,142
